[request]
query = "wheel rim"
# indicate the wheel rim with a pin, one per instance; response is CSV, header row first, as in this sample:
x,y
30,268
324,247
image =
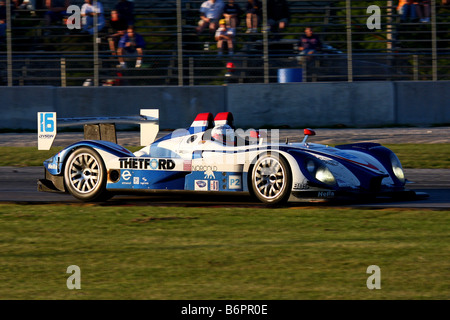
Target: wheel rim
x,y
84,173
269,178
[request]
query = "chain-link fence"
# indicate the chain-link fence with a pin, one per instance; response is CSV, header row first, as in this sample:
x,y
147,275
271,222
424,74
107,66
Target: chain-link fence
x,y
212,70
33,53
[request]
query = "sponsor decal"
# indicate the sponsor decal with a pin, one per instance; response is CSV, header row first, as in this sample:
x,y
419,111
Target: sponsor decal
x,y
144,181
209,174
300,186
135,180
204,168
52,166
46,136
234,182
214,185
47,124
209,170
331,162
325,194
146,163
201,185
350,158
126,175
187,165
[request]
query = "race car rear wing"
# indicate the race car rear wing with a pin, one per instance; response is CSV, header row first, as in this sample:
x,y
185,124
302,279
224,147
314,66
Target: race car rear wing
x,y
48,123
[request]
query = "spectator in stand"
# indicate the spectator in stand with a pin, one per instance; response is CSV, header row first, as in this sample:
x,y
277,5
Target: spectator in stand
x,y
3,20
210,13
253,13
88,12
224,35
423,10
131,43
32,6
56,11
407,10
3,9
125,9
232,12
309,44
15,4
2,31
277,15
28,4
117,29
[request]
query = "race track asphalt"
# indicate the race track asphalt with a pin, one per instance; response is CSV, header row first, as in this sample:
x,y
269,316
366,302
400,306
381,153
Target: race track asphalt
x,y
19,185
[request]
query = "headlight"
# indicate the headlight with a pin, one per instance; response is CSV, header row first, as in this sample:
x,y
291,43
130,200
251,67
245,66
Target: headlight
x,y
324,174
320,172
397,168
311,166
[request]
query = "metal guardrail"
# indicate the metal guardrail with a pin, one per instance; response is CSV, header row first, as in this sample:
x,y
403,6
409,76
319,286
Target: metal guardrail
x,y
177,56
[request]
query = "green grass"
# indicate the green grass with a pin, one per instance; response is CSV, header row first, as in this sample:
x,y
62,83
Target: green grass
x,y
25,156
417,156
222,253
422,156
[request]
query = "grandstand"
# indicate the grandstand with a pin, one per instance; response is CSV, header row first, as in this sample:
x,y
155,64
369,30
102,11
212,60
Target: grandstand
x,y
176,55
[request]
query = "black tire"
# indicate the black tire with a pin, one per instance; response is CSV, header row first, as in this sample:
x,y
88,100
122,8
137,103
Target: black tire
x,y
85,175
271,179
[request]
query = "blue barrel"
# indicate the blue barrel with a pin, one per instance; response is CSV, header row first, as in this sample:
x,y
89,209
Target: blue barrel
x,y
290,75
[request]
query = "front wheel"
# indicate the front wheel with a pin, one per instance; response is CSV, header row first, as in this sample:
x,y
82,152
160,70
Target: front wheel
x,y
271,179
85,175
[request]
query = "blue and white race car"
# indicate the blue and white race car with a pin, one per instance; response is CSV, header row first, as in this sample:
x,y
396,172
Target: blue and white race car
x,y
212,156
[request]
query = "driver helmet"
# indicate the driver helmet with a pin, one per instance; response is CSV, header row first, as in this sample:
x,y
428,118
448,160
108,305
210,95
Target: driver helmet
x,y
223,134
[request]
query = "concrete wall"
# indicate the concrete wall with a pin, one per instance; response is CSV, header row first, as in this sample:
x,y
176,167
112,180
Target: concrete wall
x,y
178,106
358,104
423,103
312,104
19,105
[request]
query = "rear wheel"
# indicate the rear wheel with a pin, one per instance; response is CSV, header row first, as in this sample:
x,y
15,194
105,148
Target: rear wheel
x,y
85,175
271,179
